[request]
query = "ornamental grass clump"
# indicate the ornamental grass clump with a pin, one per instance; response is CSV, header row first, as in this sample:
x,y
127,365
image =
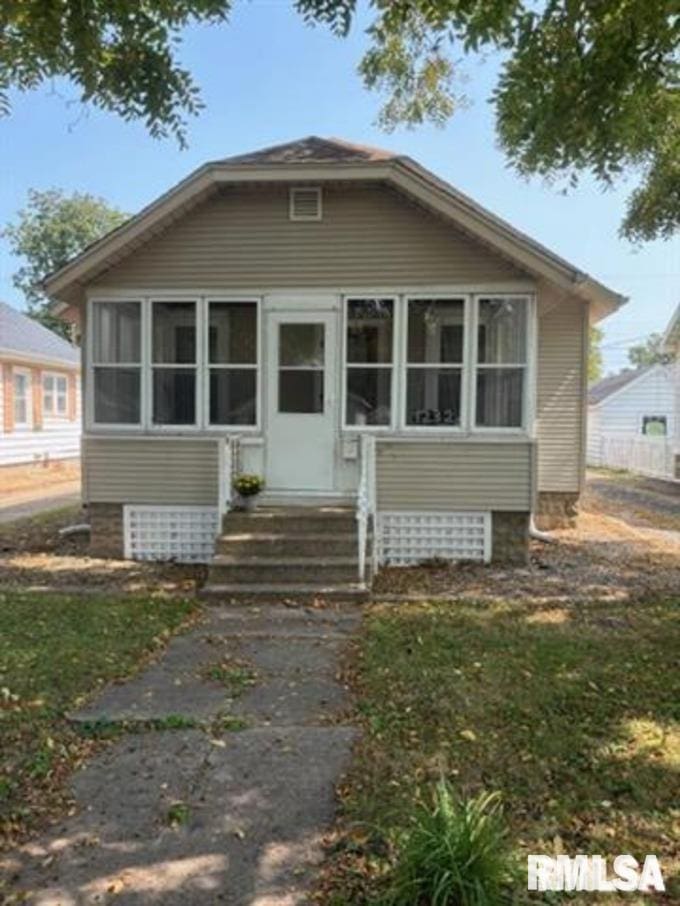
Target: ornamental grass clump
x,y
455,853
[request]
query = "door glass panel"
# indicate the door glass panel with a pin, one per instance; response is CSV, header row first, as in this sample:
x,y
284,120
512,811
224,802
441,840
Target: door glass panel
x,y
301,345
300,390
301,368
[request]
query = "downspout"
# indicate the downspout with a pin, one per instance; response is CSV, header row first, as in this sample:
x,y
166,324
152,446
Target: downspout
x,y
538,535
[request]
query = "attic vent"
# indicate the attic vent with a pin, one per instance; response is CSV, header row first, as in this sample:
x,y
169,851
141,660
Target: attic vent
x,y
305,204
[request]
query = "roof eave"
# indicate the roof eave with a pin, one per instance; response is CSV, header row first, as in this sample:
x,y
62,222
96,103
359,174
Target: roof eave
x,y
671,335
18,355
404,173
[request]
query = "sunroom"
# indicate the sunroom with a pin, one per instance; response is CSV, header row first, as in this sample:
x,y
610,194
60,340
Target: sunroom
x,y
411,405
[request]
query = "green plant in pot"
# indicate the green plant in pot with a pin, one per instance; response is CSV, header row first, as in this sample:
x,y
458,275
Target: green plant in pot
x,y
247,488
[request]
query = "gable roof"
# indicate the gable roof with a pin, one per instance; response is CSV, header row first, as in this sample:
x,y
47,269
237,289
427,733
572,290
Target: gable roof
x,y
605,388
670,342
312,150
26,338
317,160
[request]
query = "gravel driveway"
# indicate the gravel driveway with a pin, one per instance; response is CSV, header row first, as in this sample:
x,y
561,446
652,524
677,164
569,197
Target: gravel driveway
x,y
639,501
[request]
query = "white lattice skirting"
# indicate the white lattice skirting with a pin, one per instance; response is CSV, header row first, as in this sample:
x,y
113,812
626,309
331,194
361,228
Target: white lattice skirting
x,y
405,538
185,534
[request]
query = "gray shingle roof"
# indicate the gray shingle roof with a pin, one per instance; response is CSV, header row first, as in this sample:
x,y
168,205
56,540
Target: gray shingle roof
x,y
21,334
614,382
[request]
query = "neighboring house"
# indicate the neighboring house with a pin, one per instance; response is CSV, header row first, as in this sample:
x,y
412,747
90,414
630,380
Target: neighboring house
x,y
632,422
670,342
40,419
671,345
343,322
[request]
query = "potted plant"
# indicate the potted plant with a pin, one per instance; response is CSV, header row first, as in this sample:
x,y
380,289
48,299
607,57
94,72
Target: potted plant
x,y
247,488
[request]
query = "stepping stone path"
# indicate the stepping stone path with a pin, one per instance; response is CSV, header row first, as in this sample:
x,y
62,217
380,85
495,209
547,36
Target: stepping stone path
x,y
207,815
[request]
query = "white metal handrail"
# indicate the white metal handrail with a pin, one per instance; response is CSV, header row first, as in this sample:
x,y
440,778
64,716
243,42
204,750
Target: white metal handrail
x,y
366,500
228,468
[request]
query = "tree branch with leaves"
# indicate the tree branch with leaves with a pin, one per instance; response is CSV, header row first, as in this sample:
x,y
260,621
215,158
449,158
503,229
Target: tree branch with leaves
x,y
50,230
585,86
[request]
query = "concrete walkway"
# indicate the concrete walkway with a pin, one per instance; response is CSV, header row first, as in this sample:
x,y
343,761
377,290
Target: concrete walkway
x,y
33,503
253,803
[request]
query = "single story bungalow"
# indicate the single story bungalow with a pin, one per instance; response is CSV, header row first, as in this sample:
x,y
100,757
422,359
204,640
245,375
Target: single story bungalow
x,y
344,323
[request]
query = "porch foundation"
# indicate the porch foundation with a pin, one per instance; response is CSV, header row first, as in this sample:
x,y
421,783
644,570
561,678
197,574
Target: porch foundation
x,y
556,510
106,529
510,537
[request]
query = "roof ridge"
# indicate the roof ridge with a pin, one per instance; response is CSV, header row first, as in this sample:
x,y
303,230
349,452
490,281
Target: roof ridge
x,y
383,153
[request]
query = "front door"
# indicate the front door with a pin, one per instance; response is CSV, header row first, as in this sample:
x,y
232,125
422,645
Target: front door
x,y
301,410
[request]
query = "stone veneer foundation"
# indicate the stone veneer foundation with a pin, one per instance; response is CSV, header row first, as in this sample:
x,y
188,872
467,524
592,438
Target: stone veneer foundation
x,y
510,537
556,509
510,533
106,529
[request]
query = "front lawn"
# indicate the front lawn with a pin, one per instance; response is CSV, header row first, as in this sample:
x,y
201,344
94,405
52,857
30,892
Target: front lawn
x,y
55,651
572,712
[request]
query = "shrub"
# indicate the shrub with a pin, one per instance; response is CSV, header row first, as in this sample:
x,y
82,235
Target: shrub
x,y
455,853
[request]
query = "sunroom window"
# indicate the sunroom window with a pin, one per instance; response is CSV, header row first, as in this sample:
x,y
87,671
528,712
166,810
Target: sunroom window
x,y
232,360
500,369
173,361
434,362
369,362
117,364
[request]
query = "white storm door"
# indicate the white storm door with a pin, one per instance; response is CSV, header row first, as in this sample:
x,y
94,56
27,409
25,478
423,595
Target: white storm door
x,y
301,401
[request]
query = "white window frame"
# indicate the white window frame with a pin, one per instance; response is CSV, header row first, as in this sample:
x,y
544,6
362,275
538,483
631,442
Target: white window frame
x,y
528,383
463,427
658,417
257,367
197,365
25,373
392,366
54,411
91,365
296,190
145,425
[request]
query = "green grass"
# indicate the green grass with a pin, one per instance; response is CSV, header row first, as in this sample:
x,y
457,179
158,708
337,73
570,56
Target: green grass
x,y
55,652
179,813
454,853
571,714
234,676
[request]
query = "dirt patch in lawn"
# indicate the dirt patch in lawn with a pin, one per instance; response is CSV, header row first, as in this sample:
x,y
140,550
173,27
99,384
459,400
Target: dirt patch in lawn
x,y
27,478
34,555
639,502
604,557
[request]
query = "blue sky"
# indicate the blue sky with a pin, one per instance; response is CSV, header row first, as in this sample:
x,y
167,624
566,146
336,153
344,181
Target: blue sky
x,y
268,78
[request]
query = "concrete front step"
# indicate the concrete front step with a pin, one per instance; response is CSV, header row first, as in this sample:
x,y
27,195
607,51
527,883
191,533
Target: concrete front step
x,y
283,571
287,553
351,592
283,521
266,544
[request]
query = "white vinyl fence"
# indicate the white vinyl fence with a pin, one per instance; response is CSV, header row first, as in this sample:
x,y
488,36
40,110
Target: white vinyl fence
x,y
653,456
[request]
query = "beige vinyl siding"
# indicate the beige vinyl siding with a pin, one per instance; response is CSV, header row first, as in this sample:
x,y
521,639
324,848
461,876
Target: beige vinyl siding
x,y
560,391
369,235
150,470
449,476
